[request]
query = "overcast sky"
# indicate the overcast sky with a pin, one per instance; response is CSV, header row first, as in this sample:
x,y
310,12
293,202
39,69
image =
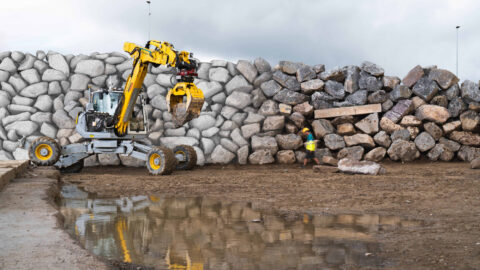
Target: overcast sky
x,y
394,34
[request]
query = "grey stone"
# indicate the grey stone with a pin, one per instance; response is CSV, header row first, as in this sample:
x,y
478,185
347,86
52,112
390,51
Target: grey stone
x,y
10,146
203,122
72,96
452,145
270,88
376,154
262,65
358,98
4,155
290,67
247,69
268,108
17,82
155,90
130,161
403,150
22,100
53,75
443,77
382,139
79,82
7,64
159,102
434,130
210,132
58,62
48,130
465,138
369,82
304,108
232,69
229,145
470,120
369,124
20,154
14,108
239,100
44,103
171,142
352,78
207,145
264,77
92,68
274,123
114,60
335,89
305,73
372,68
286,81
467,153
456,106
390,82
193,132
424,142
364,140
401,134
319,68
15,117
242,155
41,117
440,151
440,100
453,92
387,105
202,71
258,98
227,112
354,152
298,119
379,96
239,117
475,164
253,118
400,92
286,157
264,143
35,90
433,113
352,166
238,83
91,161
54,88
5,99
4,75
27,62
108,159
470,91
229,125
62,120
237,138
219,98
17,56
177,132
426,89
335,74
221,155
402,108
413,76
334,141
322,127
311,86
261,157
22,128
319,104
219,74
290,97
31,76
289,141
40,66
218,63
166,80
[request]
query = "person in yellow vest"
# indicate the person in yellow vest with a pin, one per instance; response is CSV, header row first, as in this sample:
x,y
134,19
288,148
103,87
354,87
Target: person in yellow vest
x,y
310,146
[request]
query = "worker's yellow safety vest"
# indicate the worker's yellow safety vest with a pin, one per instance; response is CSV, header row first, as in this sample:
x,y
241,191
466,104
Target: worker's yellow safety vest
x,y
310,145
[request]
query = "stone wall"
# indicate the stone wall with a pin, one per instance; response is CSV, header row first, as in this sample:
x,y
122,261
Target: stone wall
x,y
252,112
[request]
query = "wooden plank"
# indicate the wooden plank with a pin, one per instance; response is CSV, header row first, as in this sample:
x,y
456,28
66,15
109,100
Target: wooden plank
x,y
353,110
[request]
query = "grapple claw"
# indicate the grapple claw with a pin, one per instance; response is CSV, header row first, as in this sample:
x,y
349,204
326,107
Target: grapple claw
x,y
184,102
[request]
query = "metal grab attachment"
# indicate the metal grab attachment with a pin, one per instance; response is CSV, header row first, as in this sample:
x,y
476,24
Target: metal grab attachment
x,y
184,102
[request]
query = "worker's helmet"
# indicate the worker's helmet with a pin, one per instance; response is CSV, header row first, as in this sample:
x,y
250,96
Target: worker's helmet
x,y
305,130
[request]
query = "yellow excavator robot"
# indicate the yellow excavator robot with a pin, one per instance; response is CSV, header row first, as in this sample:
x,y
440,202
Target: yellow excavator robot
x,y
113,118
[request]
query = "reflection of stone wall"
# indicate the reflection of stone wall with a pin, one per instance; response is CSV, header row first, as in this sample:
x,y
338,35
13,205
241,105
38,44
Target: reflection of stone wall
x,y
221,235
252,112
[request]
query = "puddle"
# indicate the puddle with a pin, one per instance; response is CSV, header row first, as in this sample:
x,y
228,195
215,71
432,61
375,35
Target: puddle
x,y
201,233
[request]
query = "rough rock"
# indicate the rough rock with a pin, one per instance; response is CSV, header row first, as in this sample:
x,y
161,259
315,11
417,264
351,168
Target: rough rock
x,y
274,123
262,65
44,103
475,164
20,154
379,96
354,152
424,142
7,64
465,138
247,70
130,161
376,154
451,126
440,151
401,134
426,89
257,98
239,100
433,113
304,108
334,141
229,145
22,128
210,132
268,108
238,83
402,108
35,90
456,106
92,68
403,150
413,76
79,82
369,82
434,130
108,159
242,155
440,101
290,97
264,77
219,74
372,68
264,143
329,161
305,73
322,127
58,62
203,122
352,166
468,153
388,125
171,142
352,78
311,86
369,124
470,120
359,139
53,75
289,67
410,121
286,157
390,82
289,141
335,74
335,89
261,157
62,120
470,91
443,77
210,89
346,129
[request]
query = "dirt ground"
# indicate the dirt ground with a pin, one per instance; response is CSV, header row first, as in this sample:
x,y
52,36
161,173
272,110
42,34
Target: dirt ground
x,y
445,195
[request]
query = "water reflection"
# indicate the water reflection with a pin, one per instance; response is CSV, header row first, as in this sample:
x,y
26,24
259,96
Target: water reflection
x,y
201,233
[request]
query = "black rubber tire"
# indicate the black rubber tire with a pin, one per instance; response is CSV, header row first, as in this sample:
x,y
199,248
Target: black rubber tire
x,y
189,155
55,151
167,161
74,168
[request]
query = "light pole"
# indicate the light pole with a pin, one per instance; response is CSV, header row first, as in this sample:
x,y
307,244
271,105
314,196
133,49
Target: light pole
x,y
149,13
458,26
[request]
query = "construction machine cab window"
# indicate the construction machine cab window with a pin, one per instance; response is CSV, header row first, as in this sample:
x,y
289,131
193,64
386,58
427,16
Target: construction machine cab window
x,y
106,102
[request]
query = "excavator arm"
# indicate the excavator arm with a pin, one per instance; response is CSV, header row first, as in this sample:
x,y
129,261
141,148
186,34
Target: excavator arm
x,y
184,100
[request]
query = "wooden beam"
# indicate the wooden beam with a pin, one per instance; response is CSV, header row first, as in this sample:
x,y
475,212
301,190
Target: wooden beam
x,y
353,110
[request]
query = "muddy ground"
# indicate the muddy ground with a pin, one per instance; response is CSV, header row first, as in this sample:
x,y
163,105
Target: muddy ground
x,y
445,195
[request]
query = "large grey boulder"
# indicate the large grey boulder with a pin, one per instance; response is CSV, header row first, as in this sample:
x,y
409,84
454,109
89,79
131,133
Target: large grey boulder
x,y
54,88
311,86
27,63
334,141
424,142
4,99
369,124
289,82
219,74
22,100
30,75
276,122
468,153
413,76
253,118
262,65
48,130
7,64
304,108
250,130
239,100
290,67
261,157
286,157
269,107
352,166
452,145
62,120
305,73
92,68
220,155
426,89
4,155
290,97
14,109
443,77
322,127
159,102
470,120
270,88
22,128
17,82
289,141
53,75
108,159
369,82
456,106
352,78
44,103
354,152
465,138
229,145
247,69
210,132
372,68
357,98
401,134
403,150
440,151
359,139
210,89
376,154
238,83
242,155
379,96
207,145
58,62
15,117
203,122
470,91
335,74
79,82
400,92
35,90
264,77
237,137
433,113
264,143
335,89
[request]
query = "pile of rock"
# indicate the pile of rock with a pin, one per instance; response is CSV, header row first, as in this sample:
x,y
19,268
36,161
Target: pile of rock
x,y
252,113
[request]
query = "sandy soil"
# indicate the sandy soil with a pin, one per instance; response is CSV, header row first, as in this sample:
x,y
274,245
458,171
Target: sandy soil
x,y
445,195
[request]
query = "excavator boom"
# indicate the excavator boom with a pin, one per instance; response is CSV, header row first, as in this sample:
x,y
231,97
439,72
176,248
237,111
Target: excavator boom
x,y
184,100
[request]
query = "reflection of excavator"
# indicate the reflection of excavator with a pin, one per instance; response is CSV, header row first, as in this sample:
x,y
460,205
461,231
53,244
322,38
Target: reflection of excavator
x,y
113,119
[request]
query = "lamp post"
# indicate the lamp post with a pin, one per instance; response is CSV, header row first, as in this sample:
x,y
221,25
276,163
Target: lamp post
x,y
458,26
149,13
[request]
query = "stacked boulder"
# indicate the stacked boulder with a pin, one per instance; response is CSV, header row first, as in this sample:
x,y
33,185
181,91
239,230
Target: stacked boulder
x,y
253,113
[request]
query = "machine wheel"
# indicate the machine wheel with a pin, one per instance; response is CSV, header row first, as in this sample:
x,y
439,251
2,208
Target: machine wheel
x,y
189,157
74,168
160,161
44,151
